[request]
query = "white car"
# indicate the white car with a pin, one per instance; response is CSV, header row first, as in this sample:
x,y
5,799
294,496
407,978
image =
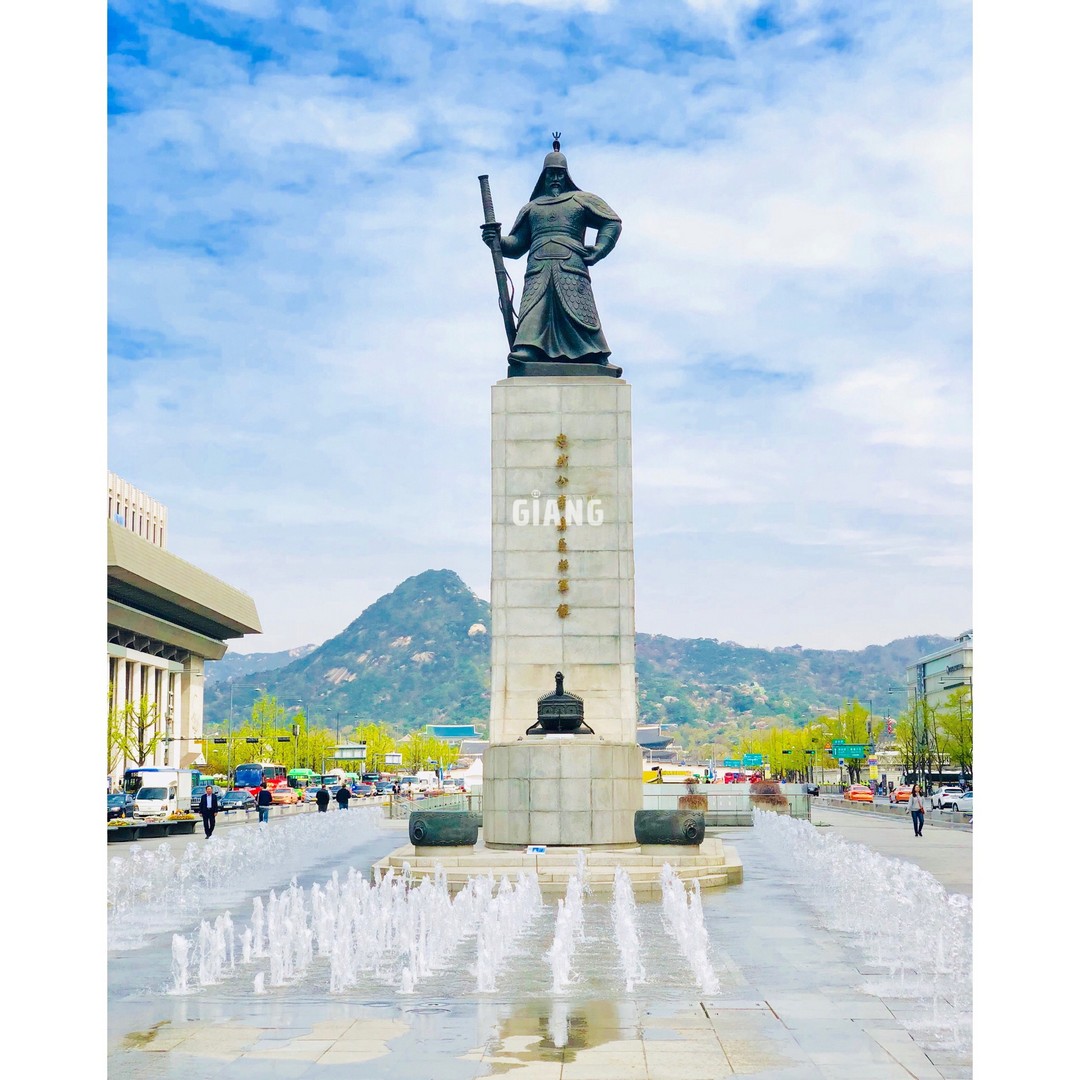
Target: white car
x,y
964,802
945,795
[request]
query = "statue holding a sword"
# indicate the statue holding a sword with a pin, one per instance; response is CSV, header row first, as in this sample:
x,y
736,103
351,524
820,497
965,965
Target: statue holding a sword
x,y
557,331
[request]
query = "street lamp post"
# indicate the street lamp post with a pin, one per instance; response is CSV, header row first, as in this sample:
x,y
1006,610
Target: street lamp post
x,y
228,750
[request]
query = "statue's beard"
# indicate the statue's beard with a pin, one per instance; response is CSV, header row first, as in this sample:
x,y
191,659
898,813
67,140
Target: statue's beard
x,y
555,189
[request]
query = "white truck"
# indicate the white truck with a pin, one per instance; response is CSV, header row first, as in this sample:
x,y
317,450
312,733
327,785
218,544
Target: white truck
x,y
159,792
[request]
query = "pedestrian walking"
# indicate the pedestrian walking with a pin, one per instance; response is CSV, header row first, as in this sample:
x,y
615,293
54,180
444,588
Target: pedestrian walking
x,y
343,796
208,807
918,810
322,799
264,801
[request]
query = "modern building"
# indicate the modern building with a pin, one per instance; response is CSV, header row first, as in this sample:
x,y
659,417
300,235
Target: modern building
x,y
932,679
166,617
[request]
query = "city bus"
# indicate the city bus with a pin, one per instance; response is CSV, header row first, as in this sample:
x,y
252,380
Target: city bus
x,y
302,778
251,775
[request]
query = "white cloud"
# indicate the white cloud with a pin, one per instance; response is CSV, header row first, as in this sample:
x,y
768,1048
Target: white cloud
x,y
296,255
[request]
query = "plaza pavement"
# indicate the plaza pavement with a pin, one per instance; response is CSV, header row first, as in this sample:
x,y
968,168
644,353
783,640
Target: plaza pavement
x,y
793,1004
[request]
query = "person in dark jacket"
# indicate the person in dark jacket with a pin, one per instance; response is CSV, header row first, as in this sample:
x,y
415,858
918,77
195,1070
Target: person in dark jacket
x,y
264,801
208,807
343,796
322,799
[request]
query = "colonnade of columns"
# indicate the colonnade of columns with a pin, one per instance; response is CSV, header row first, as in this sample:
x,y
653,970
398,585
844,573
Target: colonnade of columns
x,y
166,699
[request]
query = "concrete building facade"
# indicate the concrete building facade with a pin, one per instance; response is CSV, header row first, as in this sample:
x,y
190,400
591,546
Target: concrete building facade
x,y
165,618
933,678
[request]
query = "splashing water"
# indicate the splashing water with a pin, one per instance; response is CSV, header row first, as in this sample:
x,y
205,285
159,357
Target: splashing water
x,y
153,889
624,921
685,921
569,929
406,934
904,918
180,949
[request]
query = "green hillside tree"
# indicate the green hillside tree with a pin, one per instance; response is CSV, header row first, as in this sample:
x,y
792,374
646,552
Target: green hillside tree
x,y
955,722
380,742
135,730
419,749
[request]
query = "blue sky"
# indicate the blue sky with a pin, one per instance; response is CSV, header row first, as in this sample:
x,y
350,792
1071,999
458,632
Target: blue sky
x,y
303,327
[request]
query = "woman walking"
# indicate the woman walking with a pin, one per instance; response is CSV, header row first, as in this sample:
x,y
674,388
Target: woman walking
x,y
918,810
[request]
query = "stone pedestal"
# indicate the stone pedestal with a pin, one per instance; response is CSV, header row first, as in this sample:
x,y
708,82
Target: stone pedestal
x,y
562,599
573,790
562,573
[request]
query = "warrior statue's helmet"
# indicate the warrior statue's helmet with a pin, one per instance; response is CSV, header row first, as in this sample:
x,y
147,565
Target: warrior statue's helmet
x,y
555,160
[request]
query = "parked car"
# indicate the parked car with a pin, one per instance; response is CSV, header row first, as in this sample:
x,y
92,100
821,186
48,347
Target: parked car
x,y
121,805
944,795
901,794
196,794
859,793
964,802
311,792
384,787
362,790
237,800
285,796
813,789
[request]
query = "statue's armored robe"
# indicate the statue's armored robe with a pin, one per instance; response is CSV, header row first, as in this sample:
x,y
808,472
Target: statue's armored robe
x,y
556,313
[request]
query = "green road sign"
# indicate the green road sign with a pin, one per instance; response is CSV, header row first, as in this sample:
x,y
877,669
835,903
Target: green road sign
x,y
731,763
751,759
855,750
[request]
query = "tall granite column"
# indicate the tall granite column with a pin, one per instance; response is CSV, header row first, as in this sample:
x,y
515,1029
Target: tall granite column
x,y
562,599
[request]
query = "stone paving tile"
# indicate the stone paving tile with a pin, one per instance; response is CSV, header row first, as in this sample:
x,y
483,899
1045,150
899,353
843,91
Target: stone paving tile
x,y
517,1066
596,1065
688,1066
311,1049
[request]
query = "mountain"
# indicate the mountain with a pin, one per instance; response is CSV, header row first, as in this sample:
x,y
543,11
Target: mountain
x,y
237,665
417,656
420,655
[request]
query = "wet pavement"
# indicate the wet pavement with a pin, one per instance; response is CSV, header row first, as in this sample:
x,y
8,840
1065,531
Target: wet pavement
x,y
797,998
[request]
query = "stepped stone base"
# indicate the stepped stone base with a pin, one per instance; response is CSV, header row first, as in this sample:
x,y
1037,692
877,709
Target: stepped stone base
x,y
712,863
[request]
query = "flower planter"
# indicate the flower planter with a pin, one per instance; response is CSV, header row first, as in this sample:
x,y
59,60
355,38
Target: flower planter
x,y
181,828
119,833
153,829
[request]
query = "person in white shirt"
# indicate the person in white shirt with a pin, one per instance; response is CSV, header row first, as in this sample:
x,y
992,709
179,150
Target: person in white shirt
x,y
917,808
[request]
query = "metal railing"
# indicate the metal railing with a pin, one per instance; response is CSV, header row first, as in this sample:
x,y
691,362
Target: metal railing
x,y
723,807
400,806
729,807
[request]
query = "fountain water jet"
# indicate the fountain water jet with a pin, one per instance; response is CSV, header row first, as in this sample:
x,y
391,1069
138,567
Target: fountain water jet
x,y
926,945
624,920
685,921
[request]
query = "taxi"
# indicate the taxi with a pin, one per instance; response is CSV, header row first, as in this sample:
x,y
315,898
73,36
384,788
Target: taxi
x,y
858,793
901,794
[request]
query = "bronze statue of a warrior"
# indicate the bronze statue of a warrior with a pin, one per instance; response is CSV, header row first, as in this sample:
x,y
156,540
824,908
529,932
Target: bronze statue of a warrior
x,y
557,331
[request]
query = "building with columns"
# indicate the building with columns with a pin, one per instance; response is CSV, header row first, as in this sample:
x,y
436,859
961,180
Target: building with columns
x,y
165,619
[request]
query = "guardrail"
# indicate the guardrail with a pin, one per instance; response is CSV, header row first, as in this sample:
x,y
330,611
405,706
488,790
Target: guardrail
x,y
727,807
400,806
723,807
948,818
